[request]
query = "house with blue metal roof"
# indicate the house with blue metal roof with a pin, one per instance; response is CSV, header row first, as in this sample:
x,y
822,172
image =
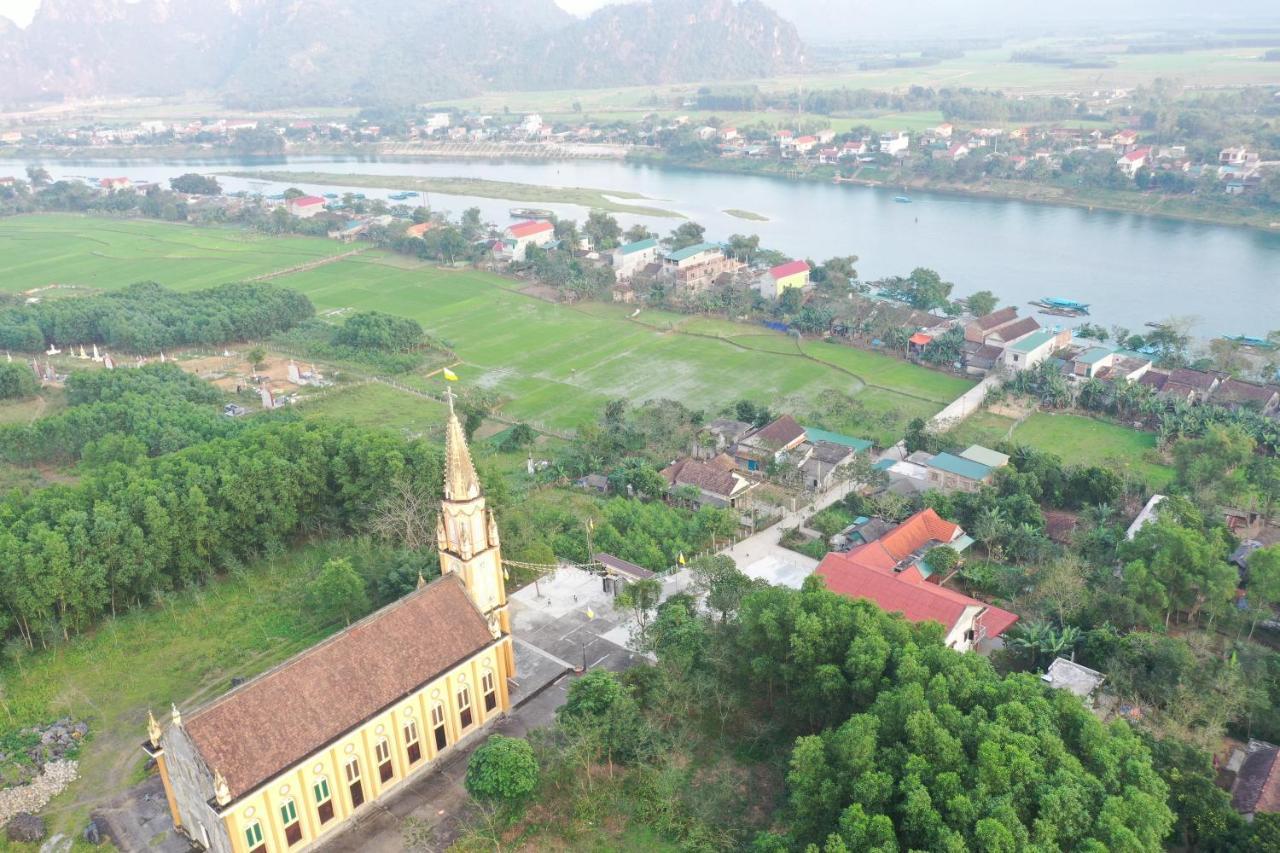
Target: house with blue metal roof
x,y
629,259
1026,353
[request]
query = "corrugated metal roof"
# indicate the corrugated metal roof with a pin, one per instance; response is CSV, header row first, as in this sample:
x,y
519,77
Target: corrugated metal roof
x,y
959,466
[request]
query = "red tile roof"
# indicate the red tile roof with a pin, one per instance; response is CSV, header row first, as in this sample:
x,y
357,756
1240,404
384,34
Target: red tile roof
x,y
917,601
709,478
279,718
990,321
920,339
789,268
916,532
528,229
306,201
780,433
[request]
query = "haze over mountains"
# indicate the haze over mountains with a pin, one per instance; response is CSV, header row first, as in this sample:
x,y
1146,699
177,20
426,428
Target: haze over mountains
x,y
271,53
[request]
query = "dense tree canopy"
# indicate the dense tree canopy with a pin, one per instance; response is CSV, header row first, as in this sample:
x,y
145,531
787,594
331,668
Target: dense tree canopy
x,y
146,318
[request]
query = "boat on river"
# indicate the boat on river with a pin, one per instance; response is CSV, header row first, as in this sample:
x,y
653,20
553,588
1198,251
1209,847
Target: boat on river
x,y
400,196
531,213
1059,307
902,199
1250,341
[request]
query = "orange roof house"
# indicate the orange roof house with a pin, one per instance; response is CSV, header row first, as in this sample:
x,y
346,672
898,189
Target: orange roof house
x,y
892,572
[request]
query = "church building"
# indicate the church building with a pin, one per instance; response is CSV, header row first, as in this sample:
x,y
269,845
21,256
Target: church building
x,y
285,759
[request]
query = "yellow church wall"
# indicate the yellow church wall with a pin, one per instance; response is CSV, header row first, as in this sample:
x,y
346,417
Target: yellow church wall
x,y
264,804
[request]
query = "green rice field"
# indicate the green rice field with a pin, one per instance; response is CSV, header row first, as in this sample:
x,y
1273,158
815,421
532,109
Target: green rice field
x,y
551,365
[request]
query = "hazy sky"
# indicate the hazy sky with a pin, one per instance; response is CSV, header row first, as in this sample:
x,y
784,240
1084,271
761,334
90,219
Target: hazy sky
x,y
825,19
18,11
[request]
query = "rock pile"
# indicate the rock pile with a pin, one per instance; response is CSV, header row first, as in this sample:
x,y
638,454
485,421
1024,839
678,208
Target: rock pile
x,y
53,778
25,828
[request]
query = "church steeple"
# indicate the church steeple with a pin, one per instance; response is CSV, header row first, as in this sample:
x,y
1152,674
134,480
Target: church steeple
x,y
467,533
460,480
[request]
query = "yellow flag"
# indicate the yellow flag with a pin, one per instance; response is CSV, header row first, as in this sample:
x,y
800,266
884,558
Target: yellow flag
x,y
681,558
450,376
591,614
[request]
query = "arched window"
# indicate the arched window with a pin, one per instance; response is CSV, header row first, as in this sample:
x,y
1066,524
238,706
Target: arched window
x,y
289,819
324,799
464,707
438,730
253,837
353,782
412,748
489,687
382,754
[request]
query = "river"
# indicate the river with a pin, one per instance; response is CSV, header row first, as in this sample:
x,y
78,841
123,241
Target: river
x,y
1130,268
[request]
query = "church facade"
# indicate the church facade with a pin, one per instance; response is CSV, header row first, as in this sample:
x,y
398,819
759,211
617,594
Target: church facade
x,y
282,761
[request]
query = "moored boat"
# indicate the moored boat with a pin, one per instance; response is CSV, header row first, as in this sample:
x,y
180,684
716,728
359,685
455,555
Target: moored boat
x,y
531,213
902,199
1250,341
1060,307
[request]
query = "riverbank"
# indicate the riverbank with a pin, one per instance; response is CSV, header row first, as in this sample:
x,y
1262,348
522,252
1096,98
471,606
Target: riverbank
x,y
606,200
1180,208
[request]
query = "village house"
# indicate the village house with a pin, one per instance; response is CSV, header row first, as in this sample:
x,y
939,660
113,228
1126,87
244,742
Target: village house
x,y
419,229
894,144
1075,678
1191,386
695,267
716,486
285,759
893,572
1034,348
969,471
1132,161
627,260
1000,327
720,435
793,274
1238,394
304,206
113,184
1101,362
769,444
520,236
1256,786
942,131
1124,139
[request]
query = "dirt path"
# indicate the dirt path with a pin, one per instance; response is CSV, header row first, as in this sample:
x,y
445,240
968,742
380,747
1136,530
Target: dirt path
x,y
310,265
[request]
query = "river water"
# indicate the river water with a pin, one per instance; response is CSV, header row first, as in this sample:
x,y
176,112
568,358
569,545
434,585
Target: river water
x,y
1131,269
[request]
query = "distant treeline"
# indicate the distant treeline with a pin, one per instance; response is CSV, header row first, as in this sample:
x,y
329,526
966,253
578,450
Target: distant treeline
x,y
960,104
125,533
1040,57
147,318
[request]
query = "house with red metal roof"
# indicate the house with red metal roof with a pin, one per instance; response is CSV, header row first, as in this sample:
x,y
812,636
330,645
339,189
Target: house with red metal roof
x,y
305,206
784,277
1131,162
893,572
519,237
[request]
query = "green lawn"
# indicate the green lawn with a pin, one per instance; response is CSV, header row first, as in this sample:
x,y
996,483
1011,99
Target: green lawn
x,y
982,428
1081,440
376,405
36,251
553,366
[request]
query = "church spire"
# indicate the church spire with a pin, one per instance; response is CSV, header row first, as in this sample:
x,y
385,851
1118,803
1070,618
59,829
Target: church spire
x,y
460,480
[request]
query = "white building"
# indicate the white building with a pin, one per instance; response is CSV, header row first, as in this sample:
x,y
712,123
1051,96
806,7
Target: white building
x,y
629,259
894,144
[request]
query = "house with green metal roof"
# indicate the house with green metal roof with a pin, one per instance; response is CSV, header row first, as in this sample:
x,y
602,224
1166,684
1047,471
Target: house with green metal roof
x,y
985,456
1035,348
951,473
815,435
629,259
690,254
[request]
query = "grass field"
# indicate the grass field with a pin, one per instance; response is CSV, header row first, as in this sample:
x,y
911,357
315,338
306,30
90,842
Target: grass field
x,y
552,365
376,405
1086,441
36,251
477,187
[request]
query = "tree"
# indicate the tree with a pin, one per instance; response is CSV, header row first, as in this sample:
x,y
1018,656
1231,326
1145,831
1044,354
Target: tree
x,y
981,303
942,559
337,592
1264,584
603,230
503,771
637,475
640,597
195,184
257,357
638,232
687,234
38,176
16,381
719,579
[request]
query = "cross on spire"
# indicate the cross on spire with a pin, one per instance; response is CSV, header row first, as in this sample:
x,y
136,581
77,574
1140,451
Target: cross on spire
x,y
449,395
